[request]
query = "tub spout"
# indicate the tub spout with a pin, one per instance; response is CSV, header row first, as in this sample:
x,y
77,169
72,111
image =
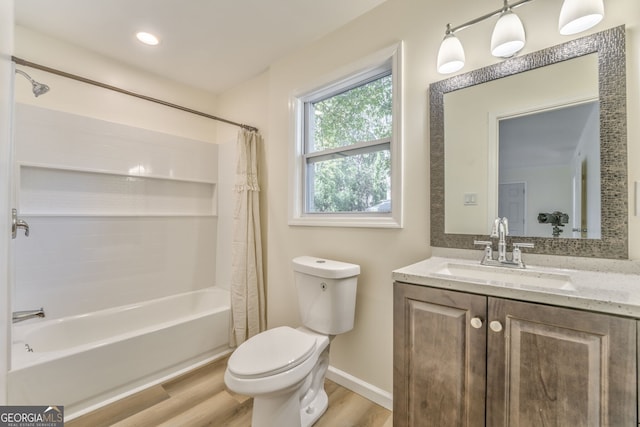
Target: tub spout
x,y
19,316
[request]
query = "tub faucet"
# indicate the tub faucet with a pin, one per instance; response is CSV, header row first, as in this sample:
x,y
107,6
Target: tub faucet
x,y
19,316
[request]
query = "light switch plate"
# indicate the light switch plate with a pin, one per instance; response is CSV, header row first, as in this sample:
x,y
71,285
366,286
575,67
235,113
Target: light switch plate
x,y
470,199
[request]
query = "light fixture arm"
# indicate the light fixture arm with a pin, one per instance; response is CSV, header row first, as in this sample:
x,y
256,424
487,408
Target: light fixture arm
x,y
451,30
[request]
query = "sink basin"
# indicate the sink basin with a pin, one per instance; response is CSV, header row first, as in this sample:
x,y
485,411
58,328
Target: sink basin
x,y
506,276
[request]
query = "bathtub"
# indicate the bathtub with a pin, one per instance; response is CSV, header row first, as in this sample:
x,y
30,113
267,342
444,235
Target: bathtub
x,y
88,360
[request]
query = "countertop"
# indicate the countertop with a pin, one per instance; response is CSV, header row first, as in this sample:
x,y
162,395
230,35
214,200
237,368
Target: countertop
x,y
605,292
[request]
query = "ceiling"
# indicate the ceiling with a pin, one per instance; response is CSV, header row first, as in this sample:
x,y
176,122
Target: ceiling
x,y
208,44
546,138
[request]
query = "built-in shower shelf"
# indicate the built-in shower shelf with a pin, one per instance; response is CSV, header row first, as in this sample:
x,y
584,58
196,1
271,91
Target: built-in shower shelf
x,y
50,191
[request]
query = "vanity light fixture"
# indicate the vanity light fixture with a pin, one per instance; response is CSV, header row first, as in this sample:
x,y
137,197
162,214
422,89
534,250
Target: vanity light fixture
x,y
508,36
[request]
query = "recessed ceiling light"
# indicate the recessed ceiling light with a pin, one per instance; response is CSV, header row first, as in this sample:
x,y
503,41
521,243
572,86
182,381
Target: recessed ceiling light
x,y
147,38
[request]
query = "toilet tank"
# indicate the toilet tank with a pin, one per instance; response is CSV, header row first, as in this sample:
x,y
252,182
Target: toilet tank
x,y
326,293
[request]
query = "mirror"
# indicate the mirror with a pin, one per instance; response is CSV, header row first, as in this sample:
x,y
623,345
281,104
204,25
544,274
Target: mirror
x,y
502,145
525,165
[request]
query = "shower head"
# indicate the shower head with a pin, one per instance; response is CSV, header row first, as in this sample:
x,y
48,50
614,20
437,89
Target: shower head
x,y
38,88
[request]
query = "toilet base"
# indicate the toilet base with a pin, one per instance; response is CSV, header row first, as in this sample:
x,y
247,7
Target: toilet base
x,y
285,410
279,410
298,406
312,412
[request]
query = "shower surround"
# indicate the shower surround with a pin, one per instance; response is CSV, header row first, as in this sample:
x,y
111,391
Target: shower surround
x,y
119,216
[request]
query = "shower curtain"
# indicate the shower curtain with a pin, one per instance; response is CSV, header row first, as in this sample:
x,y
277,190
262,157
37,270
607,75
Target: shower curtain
x,y
247,282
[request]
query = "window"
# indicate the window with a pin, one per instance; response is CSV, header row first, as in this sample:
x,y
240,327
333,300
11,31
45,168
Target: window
x,y
348,151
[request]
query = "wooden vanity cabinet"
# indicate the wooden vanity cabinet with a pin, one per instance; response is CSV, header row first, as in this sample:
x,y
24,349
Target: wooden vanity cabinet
x,y
439,360
471,360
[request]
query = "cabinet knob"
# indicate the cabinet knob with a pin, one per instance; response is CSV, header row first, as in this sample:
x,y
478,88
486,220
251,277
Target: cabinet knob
x,y
495,326
476,322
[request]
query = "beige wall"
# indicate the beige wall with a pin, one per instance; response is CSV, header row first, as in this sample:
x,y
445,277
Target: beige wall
x,y
366,352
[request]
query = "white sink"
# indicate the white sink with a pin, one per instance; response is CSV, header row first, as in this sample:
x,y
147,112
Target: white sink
x,y
505,276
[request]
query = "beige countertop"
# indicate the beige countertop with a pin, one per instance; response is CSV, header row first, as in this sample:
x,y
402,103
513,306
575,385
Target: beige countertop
x,y
606,292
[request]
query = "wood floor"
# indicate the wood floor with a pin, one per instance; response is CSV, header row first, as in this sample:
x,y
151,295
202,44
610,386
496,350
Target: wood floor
x,y
199,398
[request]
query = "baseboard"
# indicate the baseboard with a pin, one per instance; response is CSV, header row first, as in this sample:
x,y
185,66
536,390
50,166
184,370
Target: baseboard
x,y
369,391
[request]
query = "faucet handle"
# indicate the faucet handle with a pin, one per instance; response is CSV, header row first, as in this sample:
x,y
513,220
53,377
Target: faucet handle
x,y
517,254
488,251
523,245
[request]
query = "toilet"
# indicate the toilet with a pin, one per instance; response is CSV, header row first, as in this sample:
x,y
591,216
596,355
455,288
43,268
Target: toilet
x,y
283,368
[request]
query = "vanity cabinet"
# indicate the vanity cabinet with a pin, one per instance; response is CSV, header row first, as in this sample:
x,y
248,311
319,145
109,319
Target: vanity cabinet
x,y
464,359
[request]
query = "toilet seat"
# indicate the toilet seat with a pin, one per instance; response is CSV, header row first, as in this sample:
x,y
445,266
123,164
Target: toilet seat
x,y
271,352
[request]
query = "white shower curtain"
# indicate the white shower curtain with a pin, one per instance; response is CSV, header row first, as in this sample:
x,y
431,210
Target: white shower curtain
x,y
247,282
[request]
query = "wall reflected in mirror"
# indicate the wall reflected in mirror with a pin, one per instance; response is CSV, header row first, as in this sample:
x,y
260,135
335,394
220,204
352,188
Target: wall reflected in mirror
x,y
526,147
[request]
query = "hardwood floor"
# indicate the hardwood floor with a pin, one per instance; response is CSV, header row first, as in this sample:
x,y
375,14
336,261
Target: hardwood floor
x,y
199,398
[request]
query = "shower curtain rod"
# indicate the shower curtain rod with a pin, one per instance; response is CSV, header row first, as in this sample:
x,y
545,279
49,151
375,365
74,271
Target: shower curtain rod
x,y
20,61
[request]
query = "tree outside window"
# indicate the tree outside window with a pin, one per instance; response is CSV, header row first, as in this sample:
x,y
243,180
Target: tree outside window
x,y
348,149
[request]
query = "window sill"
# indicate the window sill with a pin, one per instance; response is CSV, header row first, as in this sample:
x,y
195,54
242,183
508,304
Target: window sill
x,y
346,221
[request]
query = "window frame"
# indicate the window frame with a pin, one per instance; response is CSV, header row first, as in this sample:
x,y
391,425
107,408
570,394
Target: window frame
x,y
387,61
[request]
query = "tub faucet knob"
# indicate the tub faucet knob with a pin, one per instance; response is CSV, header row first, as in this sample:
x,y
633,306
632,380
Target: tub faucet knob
x,y
18,223
19,316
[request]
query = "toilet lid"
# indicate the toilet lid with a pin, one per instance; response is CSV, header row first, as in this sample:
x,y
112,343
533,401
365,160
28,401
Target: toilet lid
x,y
271,352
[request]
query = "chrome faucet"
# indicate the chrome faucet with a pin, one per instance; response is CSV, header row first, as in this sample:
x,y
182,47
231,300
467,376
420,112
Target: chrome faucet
x,y
501,231
19,316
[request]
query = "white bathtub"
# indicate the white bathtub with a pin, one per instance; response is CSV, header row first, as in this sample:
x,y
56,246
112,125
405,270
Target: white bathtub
x,y
88,360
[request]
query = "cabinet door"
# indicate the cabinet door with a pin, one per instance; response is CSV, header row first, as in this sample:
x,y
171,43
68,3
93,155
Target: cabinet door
x,y
439,358
552,366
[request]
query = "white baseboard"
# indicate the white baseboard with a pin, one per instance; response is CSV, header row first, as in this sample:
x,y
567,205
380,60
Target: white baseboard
x,y
369,391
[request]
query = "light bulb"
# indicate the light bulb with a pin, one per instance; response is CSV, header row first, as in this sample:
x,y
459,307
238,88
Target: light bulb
x,y
147,38
579,15
508,36
450,55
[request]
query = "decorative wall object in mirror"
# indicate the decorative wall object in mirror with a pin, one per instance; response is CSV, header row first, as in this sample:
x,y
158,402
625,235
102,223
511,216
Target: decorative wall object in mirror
x,y
475,167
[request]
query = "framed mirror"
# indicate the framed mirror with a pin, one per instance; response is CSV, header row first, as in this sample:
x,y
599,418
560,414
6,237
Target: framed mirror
x,y
540,139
